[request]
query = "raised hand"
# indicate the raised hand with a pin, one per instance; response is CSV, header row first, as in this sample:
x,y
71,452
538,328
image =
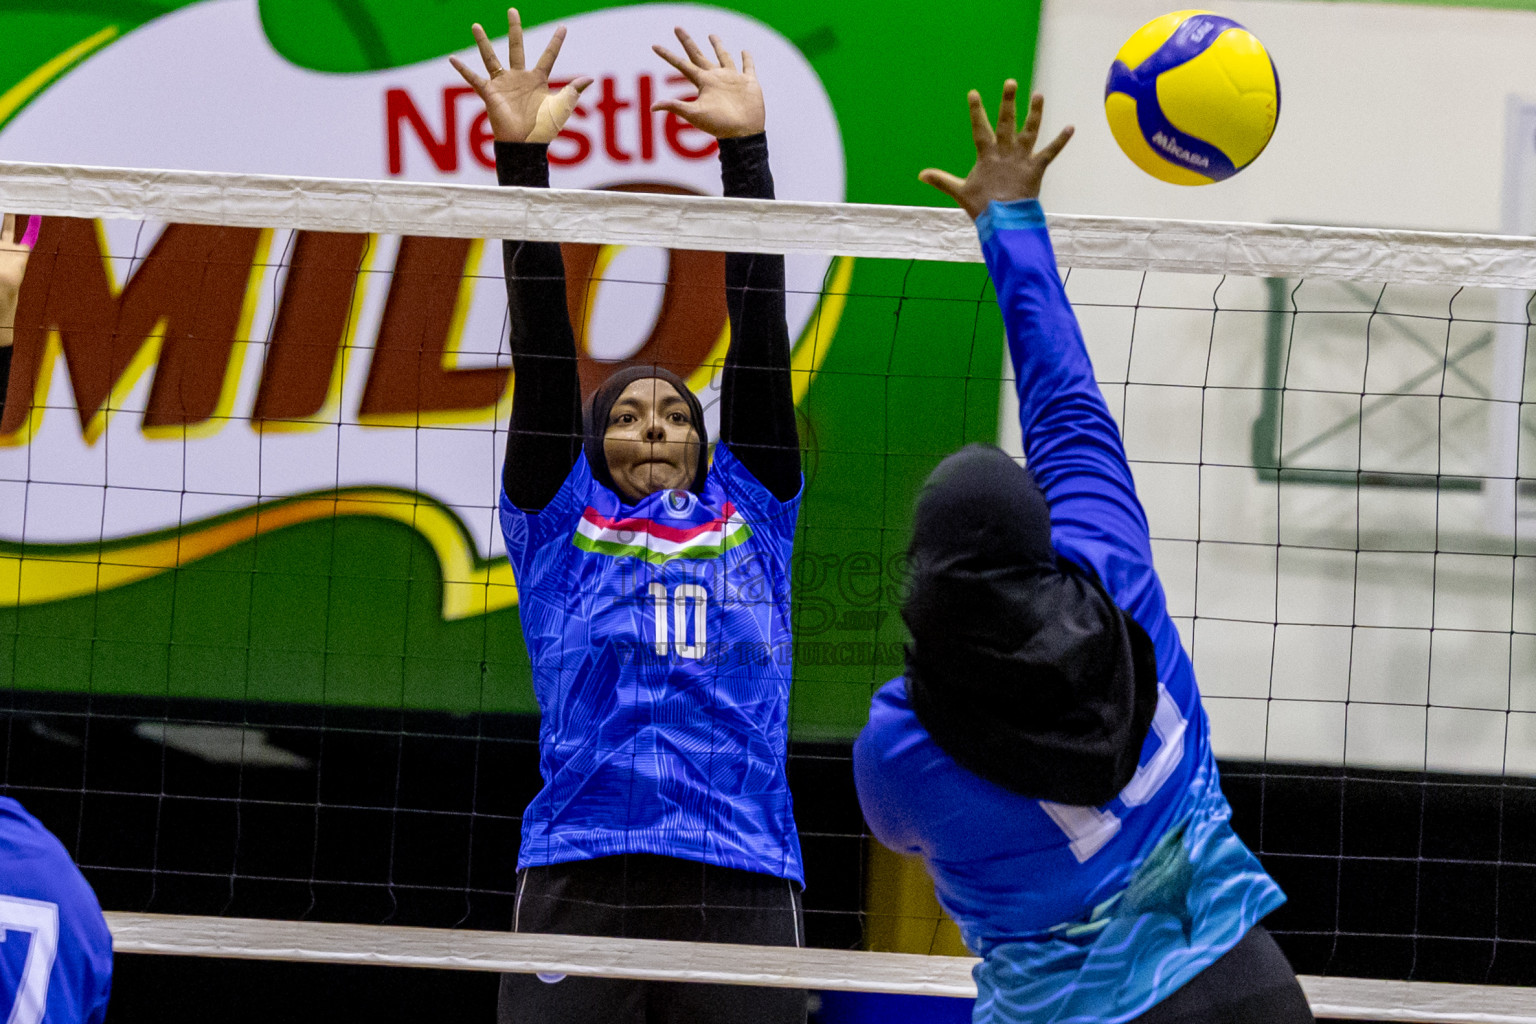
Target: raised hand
x,y
15,247
1007,164
729,103
518,99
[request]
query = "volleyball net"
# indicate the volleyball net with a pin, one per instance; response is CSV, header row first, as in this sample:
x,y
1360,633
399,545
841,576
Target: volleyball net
x,y
260,661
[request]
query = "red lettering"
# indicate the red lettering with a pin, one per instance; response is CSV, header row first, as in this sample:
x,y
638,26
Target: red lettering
x,y
574,145
676,126
444,152
482,141
647,121
576,137
609,105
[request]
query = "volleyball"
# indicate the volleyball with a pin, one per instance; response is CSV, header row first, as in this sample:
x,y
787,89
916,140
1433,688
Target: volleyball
x,y
1192,97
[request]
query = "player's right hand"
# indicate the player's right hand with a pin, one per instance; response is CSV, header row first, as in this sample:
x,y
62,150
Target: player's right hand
x,y
1008,166
517,99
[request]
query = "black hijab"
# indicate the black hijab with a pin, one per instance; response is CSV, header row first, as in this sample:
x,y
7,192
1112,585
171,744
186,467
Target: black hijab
x,y
601,404
1021,667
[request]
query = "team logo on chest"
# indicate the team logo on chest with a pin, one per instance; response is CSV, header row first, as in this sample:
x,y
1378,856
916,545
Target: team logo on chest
x,y
680,504
656,542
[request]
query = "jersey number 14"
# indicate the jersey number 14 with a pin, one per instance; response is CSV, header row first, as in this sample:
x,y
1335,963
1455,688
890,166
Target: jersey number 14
x,y
1090,828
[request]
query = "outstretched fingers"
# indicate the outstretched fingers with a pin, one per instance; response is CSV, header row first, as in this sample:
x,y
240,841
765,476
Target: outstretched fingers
x,y
721,53
747,67
1007,116
475,81
690,47
684,68
943,181
487,51
546,62
981,130
1054,147
561,105
515,56
1031,132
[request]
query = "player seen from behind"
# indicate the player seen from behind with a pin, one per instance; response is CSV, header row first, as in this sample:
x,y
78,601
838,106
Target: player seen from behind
x,y
654,595
1046,752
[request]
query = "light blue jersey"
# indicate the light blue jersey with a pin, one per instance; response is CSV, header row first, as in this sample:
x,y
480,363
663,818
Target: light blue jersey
x,y
55,950
1081,914
660,642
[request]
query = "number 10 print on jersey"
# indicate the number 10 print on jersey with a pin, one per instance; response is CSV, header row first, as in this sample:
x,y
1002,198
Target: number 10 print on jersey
x,y
655,631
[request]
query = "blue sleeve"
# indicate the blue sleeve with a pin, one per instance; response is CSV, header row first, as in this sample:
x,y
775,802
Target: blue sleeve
x,y
1071,442
534,539
881,806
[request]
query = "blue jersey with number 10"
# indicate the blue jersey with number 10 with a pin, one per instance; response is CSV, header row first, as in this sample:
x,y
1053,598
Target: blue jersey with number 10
x,y
660,642
1081,914
55,950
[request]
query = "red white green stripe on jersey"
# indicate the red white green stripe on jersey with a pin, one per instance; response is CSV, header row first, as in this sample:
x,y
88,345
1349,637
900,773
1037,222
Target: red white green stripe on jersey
x,y
656,542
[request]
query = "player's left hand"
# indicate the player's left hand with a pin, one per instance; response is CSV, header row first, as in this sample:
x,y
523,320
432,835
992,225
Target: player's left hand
x,y
1008,166
15,248
729,103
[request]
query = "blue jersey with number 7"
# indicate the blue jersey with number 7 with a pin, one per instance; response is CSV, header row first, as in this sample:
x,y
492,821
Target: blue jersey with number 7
x,y
55,950
660,643
1080,913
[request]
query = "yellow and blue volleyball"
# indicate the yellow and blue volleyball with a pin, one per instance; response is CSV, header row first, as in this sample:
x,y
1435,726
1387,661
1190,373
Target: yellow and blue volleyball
x,y
1192,97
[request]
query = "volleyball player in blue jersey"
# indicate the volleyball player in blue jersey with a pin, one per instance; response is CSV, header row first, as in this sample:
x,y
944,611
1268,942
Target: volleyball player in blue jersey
x,y
654,595
55,950
1046,752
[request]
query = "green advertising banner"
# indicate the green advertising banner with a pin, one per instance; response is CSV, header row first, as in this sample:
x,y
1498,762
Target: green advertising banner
x,y
258,524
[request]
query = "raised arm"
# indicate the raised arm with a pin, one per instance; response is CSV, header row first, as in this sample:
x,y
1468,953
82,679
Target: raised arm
x,y
15,246
1070,440
544,432
757,405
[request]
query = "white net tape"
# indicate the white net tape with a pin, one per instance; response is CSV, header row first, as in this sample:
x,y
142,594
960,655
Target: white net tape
x,y
751,225
721,963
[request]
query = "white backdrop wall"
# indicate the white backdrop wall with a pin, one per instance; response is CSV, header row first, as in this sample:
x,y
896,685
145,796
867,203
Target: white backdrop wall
x,y
1380,626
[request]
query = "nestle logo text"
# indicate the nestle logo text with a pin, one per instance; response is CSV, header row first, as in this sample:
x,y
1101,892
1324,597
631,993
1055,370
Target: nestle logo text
x,y
612,113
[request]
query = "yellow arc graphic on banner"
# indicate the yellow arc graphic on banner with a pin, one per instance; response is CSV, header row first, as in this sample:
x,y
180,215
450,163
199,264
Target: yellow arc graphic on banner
x,y
470,586
43,573
17,95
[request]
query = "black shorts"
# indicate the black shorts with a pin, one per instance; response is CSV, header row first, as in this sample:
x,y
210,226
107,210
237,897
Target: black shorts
x,y
640,896
1252,983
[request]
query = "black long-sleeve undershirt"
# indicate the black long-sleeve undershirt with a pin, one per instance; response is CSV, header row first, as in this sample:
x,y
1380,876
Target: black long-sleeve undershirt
x,y
757,415
544,432
757,402
5,375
